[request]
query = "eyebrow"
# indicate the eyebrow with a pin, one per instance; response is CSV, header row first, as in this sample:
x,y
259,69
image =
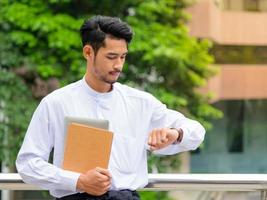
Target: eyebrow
x,y
116,54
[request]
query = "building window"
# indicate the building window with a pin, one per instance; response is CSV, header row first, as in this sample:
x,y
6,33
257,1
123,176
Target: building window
x,y
235,111
248,5
227,54
252,5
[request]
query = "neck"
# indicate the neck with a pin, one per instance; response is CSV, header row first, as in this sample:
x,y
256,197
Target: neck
x,y
98,86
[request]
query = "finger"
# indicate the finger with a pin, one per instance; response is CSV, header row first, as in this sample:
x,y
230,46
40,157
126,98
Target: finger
x,y
154,137
161,137
104,187
103,171
101,178
150,138
173,134
164,138
158,137
107,185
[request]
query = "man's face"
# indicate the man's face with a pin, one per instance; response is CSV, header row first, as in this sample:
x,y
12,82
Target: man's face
x,y
109,60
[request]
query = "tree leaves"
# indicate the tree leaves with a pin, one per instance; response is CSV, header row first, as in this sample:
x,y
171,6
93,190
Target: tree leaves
x,y
16,108
162,43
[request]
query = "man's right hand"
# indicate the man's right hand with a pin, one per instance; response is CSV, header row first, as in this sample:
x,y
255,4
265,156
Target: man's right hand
x,y
95,182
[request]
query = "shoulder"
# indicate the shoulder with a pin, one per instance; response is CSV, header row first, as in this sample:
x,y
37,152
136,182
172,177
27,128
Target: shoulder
x,y
134,93
62,94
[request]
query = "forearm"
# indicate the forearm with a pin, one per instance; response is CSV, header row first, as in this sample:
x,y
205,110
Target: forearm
x,y
37,171
192,137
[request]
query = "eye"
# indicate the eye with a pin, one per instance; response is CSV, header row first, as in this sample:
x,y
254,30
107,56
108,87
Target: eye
x,y
111,57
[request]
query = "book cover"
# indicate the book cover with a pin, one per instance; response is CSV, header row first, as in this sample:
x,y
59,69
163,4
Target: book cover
x,y
86,147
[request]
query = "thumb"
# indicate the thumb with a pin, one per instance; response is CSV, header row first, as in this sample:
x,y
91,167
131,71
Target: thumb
x,y
103,171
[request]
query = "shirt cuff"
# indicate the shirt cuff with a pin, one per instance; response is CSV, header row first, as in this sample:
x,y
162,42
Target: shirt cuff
x,y
69,180
185,138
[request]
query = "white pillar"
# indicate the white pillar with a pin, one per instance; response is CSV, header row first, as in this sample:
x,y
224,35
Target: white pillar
x,y
5,194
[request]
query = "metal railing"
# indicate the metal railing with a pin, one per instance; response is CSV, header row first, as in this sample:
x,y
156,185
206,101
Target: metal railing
x,y
168,182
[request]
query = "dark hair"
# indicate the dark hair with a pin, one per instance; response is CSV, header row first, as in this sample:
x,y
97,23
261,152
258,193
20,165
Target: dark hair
x,y
95,30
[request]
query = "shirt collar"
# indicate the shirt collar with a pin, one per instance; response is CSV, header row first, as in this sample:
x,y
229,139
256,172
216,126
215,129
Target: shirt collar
x,y
95,93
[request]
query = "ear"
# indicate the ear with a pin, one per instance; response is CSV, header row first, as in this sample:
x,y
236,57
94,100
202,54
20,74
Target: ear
x,y
88,52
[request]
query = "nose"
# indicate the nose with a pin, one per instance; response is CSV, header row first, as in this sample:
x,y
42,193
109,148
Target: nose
x,y
119,64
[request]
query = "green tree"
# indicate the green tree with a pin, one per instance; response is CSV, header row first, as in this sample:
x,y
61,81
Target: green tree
x,y
35,44
166,61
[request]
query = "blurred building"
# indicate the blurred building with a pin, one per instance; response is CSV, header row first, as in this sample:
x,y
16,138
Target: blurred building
x,y
238,142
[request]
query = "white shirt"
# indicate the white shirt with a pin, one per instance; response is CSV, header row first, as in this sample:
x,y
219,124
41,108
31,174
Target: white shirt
x,y
131,113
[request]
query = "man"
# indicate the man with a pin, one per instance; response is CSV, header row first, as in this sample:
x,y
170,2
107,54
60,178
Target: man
x,y
137,119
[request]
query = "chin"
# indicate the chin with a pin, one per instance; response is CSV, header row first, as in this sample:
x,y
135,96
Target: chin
x,y
111,81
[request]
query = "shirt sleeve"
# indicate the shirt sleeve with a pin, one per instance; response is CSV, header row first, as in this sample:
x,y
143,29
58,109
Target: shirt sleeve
x,y
32,160
193,131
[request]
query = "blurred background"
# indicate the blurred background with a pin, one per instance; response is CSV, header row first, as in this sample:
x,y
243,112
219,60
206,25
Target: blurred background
x,y
204,58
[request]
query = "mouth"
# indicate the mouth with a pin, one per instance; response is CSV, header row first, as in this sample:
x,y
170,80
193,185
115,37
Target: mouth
x,y
115,73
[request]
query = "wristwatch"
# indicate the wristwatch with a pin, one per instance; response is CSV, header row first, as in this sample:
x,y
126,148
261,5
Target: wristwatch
x,y
180,136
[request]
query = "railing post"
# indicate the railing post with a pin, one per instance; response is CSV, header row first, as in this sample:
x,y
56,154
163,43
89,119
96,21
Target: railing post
x,y
264,195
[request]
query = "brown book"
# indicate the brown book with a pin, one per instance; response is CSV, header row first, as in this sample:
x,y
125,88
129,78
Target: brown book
x,y
86,147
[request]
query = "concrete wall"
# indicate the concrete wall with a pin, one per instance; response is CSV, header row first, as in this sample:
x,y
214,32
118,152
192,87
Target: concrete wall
x,y
238,82
228,27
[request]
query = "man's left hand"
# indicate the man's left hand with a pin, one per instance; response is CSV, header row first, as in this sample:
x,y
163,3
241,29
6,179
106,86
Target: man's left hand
x,y
160,138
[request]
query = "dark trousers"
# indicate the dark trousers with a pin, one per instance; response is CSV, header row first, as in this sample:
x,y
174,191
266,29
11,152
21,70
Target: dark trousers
x,y
110,195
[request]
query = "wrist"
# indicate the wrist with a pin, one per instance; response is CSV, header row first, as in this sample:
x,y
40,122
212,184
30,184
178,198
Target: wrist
x,y
180,135
80,185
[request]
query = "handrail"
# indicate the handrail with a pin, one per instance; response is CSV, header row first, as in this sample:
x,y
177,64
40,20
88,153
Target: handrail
x,y
208,182
166,182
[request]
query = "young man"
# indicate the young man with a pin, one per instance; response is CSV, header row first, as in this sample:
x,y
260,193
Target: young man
x,y
137,119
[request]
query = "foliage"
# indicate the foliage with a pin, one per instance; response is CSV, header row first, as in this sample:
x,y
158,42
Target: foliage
x,y
154,195
34,42
169,62
18,111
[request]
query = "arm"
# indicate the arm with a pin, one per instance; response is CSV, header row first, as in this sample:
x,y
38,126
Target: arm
x,y
32,161
163,123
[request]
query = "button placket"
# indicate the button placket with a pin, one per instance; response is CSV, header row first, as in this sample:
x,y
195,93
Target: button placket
x,y
98,112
